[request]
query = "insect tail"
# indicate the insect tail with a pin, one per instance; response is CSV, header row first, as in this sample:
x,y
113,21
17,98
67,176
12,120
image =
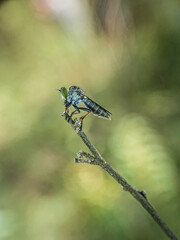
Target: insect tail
x,y
96,109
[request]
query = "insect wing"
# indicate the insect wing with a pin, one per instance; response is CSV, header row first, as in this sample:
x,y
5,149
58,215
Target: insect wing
x,y
96,108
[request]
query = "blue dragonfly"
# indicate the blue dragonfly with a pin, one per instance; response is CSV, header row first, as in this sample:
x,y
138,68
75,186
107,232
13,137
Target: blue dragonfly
x,y
74,96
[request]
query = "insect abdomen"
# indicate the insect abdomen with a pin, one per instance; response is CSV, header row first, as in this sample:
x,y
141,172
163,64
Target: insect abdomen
x,y
96,109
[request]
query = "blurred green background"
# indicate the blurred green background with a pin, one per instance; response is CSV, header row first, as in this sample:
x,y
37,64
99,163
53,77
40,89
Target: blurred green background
x,y
126,56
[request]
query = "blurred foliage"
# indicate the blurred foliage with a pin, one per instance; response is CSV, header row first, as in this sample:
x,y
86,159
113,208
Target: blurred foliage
x,y
125,55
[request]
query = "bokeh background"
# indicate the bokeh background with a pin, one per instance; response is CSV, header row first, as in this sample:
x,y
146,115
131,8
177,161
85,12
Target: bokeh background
x,y
126,56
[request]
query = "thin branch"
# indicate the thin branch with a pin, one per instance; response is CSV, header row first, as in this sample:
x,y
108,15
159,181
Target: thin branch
x,y
88,158
97,159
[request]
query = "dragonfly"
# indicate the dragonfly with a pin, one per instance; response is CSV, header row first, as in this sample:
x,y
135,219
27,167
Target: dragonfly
x,y
76,95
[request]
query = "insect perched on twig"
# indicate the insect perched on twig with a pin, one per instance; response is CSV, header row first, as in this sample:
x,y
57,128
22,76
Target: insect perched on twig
x,y
74,96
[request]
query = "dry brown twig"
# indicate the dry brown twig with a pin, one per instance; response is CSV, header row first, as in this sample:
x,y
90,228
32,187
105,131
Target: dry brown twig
x,y
97,159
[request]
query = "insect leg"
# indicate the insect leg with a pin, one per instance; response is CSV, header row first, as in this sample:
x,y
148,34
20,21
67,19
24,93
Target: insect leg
x,y
84,109
66,110
80,108
88,110
67,105
74,112
82,118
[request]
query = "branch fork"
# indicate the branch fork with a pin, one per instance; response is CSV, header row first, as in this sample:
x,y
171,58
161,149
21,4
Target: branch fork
x,y
97,159
88,158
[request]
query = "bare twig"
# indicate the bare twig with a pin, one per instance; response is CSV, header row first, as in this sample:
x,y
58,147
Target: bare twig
x,y
97,159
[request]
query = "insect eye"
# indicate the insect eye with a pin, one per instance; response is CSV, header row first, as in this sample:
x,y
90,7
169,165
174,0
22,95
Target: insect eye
x,y
64,92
